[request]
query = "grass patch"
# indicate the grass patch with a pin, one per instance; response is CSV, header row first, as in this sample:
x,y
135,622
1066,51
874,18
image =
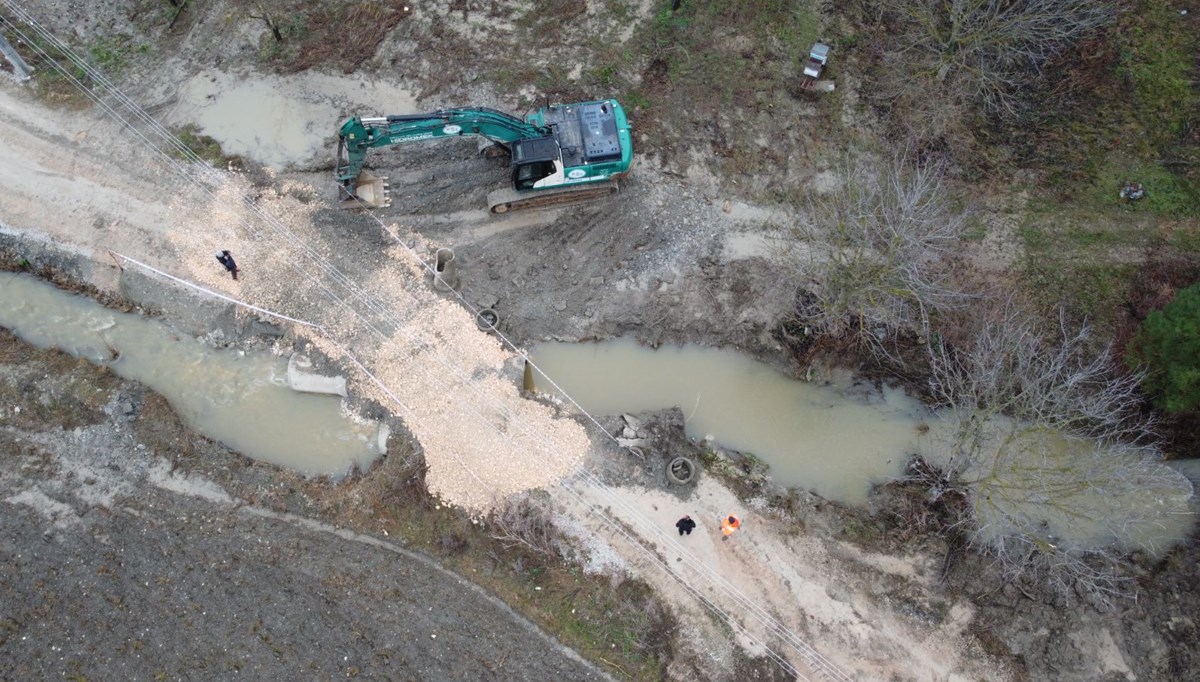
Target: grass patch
x,y
1084,230
206,148
1133,119
1167,194
61,76
1094,290
1159,59
1186,237
1130,112
1085,254
975,229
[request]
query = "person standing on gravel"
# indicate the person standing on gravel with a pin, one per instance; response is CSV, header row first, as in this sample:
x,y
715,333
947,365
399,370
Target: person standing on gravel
x,y
225,258
685,525
728,525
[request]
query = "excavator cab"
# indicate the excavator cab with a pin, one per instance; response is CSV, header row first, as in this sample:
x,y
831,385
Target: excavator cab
x,y
535,161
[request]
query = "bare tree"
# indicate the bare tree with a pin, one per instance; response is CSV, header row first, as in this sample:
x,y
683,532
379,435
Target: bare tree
x,y
1060,472
984,50
870,256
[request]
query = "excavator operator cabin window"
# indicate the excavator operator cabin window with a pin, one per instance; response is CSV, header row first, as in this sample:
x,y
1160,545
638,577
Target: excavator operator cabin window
x,y
529,173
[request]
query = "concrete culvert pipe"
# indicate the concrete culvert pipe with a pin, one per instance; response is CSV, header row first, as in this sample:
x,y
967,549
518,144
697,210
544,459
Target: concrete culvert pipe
x,y
681,471
445,270
487,319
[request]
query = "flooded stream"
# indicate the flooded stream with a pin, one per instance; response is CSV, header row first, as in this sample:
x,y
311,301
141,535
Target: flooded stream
x,y
238,398
836,442
839,439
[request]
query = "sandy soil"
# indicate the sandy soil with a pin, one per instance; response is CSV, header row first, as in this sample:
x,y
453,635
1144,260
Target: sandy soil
x,y
669,259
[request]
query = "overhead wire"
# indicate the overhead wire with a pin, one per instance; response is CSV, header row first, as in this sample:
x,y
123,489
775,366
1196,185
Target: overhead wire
x,y
639,546
376,307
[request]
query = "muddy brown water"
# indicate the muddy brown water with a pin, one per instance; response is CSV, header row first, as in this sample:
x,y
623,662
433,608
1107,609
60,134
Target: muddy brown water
x,y
282,120
839,437
835,440
239,398
1073,489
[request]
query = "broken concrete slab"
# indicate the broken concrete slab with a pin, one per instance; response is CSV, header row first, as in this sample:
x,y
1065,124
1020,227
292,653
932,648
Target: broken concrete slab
x,y
300,377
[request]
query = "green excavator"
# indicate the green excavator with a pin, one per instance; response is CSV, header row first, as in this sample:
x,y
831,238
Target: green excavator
x,y
561,154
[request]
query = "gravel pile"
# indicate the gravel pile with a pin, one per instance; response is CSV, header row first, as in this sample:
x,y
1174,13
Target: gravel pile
x,y
421,354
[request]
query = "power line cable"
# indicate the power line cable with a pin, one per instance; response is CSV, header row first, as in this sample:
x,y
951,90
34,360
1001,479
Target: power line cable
x,y
376,307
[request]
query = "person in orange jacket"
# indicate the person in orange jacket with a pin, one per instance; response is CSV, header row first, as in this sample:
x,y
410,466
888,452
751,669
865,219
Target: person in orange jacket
x,y
728,525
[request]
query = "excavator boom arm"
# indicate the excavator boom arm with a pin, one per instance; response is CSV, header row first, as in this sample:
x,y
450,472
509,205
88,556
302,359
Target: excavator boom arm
x,y
358,135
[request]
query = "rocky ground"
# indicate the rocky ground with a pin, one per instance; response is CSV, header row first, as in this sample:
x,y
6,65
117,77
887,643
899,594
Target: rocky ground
x,y
676,256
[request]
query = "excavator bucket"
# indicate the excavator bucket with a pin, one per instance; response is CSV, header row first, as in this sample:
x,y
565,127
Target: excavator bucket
x,y
370,191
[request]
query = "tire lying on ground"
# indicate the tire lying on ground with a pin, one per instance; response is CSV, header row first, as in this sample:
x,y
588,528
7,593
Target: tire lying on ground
x,y
681,471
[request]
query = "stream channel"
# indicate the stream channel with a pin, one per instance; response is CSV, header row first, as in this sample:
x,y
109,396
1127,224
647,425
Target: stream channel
x,y
836,440
838,437
236,397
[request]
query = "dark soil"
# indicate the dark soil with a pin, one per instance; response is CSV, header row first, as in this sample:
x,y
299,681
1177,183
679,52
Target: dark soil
x,y
155,584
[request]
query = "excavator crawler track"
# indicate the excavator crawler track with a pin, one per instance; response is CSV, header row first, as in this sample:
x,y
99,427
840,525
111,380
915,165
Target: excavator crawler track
x,y
506,200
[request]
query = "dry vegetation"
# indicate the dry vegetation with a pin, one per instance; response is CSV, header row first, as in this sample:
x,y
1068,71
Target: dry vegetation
x,y
305,35
873,253
1044,435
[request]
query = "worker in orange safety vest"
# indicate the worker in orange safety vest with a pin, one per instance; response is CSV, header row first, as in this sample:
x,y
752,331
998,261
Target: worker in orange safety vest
x,y
728,525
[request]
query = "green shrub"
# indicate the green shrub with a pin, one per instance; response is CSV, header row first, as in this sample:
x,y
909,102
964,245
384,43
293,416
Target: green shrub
x,y
1168,346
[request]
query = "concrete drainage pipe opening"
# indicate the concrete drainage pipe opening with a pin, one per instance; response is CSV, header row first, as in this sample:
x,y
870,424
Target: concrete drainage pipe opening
x,y
445,270
487,319
681,471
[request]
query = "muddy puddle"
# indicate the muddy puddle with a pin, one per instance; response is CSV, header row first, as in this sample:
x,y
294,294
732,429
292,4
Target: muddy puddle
x,y
282,120
833,440
238,398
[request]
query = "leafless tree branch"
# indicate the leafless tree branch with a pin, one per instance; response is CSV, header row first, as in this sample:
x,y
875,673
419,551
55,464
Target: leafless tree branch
x,y
871,254
984,49
1060,471
526,523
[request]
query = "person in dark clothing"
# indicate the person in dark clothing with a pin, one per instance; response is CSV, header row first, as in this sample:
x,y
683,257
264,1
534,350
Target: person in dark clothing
x,y
685,525
225,258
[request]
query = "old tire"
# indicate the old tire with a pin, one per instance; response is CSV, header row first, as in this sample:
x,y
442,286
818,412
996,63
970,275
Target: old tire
x,y
681,471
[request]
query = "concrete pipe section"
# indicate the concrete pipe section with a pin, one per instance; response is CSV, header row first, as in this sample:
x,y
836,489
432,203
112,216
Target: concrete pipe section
x,y
487,319
445,270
